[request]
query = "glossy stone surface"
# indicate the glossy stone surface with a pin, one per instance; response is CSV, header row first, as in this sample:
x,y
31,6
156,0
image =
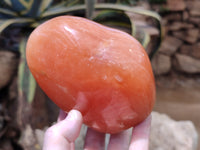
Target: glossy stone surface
x,y
102,72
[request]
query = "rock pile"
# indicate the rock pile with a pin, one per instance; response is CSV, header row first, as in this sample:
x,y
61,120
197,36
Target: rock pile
x,y
180,49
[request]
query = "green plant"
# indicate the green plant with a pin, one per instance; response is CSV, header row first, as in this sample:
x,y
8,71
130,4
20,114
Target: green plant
x,y
28,14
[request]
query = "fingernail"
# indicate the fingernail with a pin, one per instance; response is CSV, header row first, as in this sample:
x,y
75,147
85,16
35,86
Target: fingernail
x,y
72,115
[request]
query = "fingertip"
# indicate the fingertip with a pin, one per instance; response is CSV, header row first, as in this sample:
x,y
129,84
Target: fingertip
x,y
64,132
74,115
72,125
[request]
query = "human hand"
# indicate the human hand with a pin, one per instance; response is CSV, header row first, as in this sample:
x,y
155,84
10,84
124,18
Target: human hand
x,y
63,134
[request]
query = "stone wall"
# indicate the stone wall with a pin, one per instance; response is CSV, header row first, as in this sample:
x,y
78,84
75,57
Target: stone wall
x,y
180,50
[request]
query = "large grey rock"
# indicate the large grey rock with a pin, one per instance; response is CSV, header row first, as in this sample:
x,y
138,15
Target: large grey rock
x,y
168,134
8,66
161,64
170,45
187,64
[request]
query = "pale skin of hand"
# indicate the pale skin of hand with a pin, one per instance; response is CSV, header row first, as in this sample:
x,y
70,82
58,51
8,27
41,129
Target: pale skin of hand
x,y
63,134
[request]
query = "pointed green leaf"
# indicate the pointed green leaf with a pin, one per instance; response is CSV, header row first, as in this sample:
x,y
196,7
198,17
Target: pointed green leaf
x,y
63,5
26,82
89,8
31,88
57,6
21,6
31,8
74,2
7,12
62,10
26,8
67,3
146,39
35,24
114,18
44,5
8,2
133,28
21,68
128,9
27,4
5,23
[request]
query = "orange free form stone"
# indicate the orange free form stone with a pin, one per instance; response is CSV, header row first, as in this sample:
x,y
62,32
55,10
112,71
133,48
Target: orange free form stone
x,y
102,72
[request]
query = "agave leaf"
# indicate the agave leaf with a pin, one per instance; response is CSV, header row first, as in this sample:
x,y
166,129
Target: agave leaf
x,y
89,8
64,4
26,82
21,69
128,9
113,18
8,2
22,6
7,12
25,3
27,8
35,24
59,5
33,9
146,39
44,5
31,88
133,28
5,23
62,10
74,2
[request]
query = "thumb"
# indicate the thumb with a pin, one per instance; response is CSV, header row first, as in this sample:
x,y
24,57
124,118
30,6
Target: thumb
x,y
60,135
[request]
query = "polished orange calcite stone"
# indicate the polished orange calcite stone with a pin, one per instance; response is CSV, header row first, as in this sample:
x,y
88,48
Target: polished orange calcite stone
x,y
102,72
